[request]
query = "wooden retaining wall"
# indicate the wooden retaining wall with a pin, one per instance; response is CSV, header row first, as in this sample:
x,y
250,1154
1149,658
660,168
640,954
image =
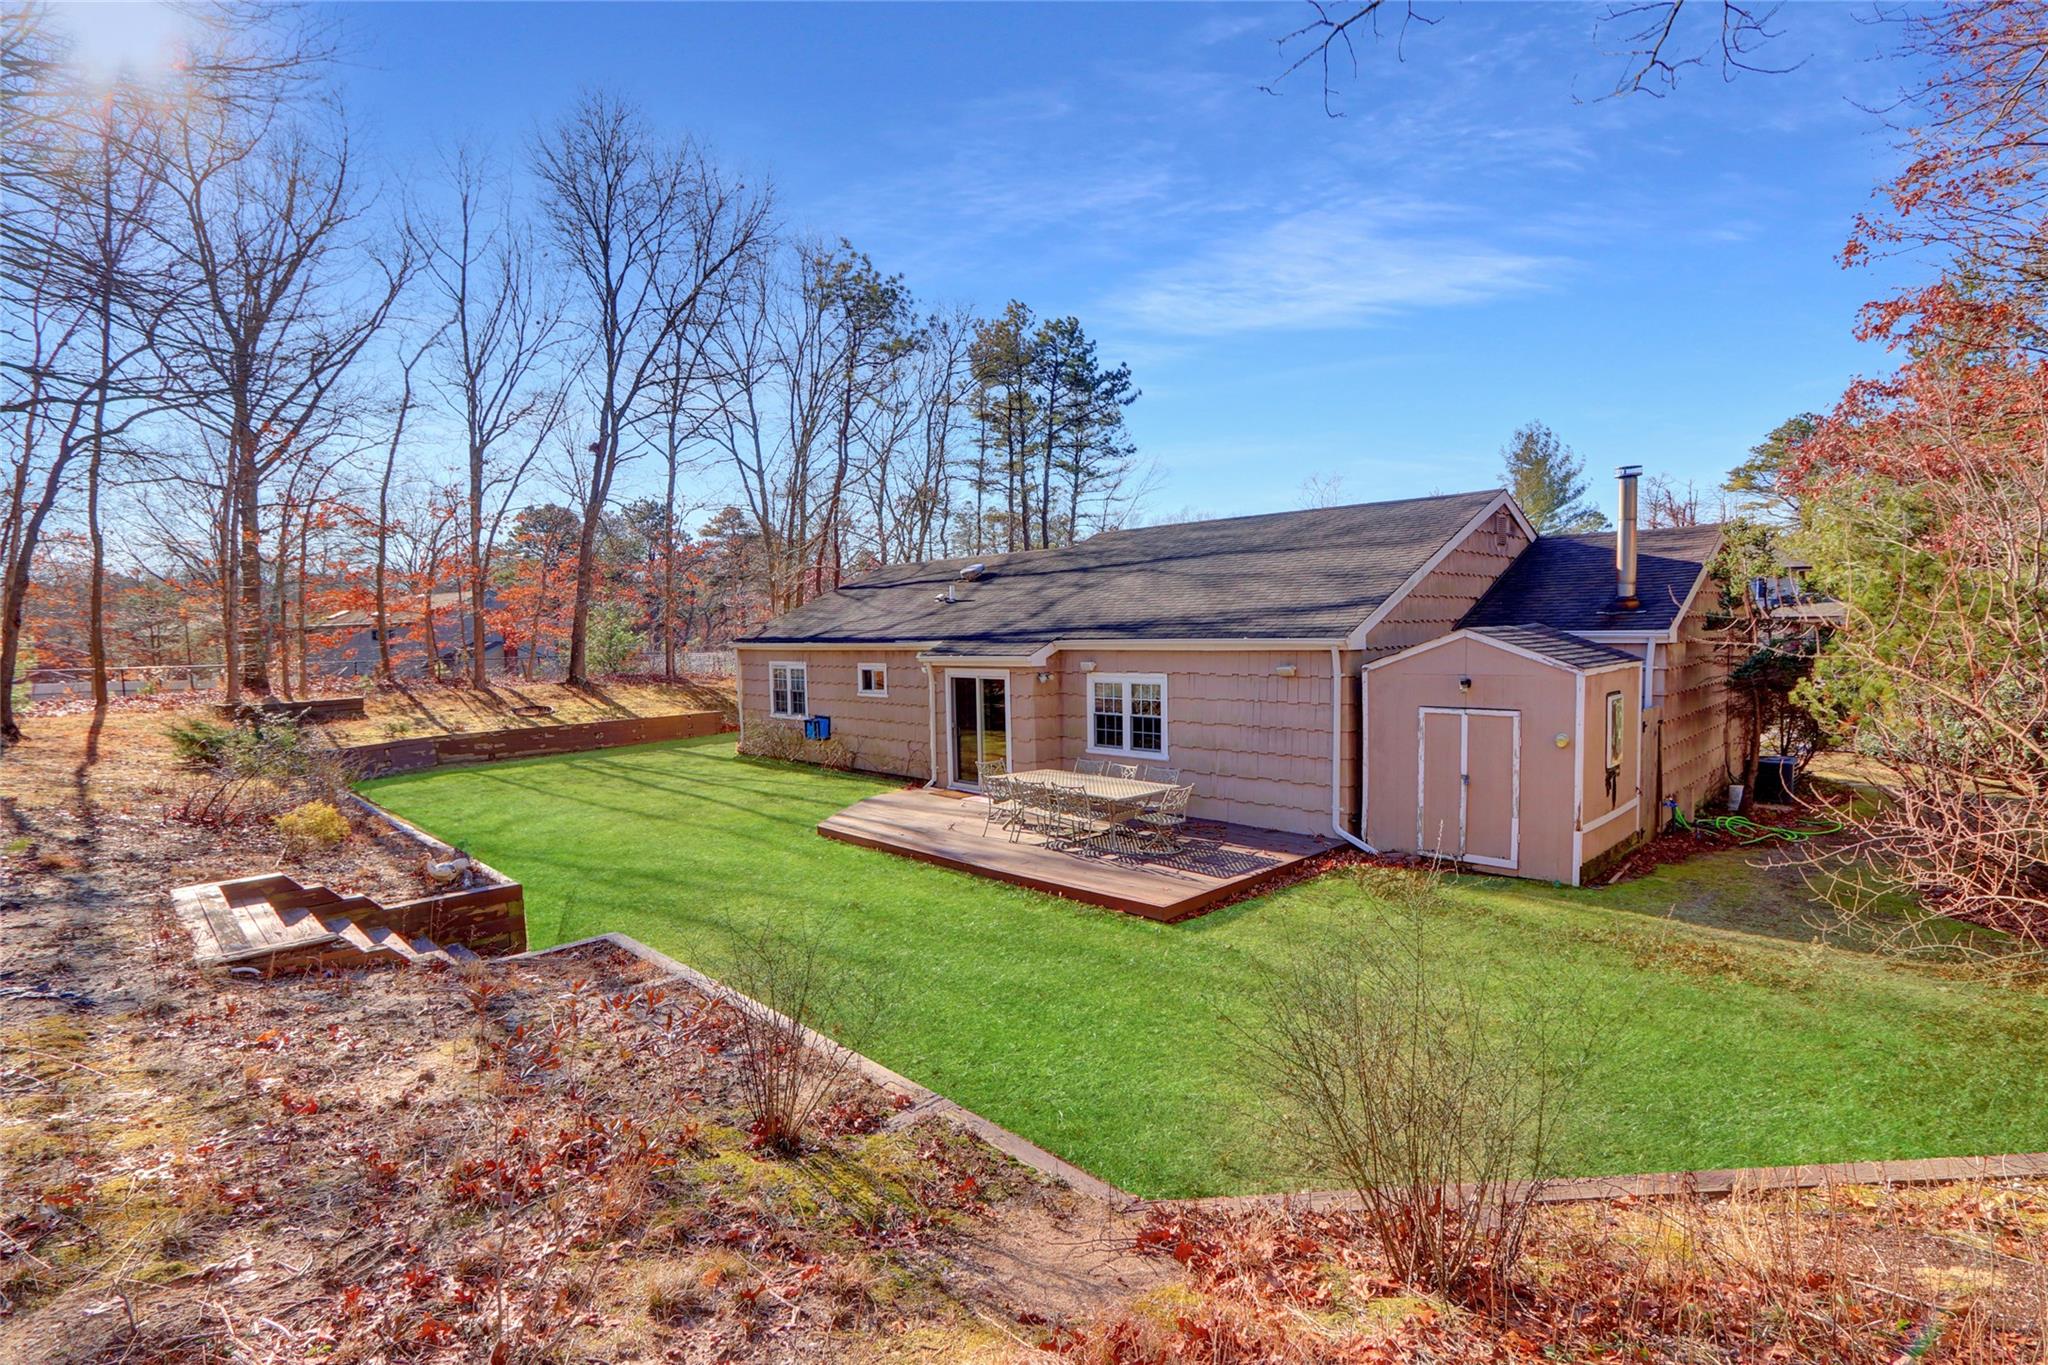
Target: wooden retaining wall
x,y
487,920
307,710
432,751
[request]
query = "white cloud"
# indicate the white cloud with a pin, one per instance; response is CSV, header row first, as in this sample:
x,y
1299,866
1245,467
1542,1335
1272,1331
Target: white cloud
x,y
1328,267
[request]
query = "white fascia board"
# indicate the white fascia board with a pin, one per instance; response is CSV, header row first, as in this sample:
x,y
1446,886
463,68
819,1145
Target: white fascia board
x,y
1207,644
1467,633
1356,640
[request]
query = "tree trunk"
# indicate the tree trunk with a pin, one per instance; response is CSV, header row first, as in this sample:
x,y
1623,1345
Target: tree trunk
x,y
305,674
540,598
280,593
668,572
478,675
96,591
586,583
250,632
96,594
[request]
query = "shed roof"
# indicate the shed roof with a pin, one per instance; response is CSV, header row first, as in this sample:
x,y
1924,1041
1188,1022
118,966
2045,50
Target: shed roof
x,y
1315,574
1573,651
1568,582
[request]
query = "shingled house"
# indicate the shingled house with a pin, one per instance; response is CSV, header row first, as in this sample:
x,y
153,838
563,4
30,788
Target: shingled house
x,y
1422,675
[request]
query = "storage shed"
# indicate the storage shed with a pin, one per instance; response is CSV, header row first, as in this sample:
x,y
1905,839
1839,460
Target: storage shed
x,y
1503,723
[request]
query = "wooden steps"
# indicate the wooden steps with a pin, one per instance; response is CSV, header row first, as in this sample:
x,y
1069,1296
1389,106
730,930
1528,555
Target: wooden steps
x,y
273,922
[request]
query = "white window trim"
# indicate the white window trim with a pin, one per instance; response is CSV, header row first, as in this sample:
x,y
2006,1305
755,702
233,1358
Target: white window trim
x,y
953,722
1617,737
792,664
1165,716
865,691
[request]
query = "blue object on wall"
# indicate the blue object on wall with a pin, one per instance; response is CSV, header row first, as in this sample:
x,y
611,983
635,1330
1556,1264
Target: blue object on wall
x,y
818,727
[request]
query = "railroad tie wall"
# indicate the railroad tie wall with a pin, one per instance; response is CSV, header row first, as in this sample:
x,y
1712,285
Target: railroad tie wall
x,y
412,755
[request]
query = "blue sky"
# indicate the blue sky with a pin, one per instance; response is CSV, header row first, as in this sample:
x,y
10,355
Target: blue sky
x,y
1383,297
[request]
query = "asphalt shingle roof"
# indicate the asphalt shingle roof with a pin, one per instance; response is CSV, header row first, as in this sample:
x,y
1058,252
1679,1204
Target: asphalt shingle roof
x,y
1568,582
1570,650
1314,574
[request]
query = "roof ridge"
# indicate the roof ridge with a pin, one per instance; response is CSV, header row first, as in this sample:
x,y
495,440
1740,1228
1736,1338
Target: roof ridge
x,y
1291,512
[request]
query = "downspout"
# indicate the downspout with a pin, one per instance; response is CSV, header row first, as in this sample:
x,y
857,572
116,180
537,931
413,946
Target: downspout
x,y
1578,775
1337,750
739,691
931,724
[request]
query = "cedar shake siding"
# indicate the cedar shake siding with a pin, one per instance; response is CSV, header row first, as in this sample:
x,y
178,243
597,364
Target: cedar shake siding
x,y
889,735
1255,745
1450,590
1692,683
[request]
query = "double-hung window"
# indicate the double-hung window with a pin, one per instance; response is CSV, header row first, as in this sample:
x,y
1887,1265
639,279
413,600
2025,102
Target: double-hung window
x,y
1127,714
789,690
874,680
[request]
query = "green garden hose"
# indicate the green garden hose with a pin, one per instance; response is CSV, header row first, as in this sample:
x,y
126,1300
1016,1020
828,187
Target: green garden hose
x,y
1750,832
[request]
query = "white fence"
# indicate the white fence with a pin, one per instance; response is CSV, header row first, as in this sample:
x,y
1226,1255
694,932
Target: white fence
x,y
49,683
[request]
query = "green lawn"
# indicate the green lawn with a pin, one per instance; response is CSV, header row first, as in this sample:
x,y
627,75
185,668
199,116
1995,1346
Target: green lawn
x,y
1099,1035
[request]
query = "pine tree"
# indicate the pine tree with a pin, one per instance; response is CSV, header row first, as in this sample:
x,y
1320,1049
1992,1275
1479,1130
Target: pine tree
x,y
1760,478
1549,482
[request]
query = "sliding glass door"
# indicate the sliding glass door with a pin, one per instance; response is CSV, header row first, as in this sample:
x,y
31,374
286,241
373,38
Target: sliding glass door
x,y
980,725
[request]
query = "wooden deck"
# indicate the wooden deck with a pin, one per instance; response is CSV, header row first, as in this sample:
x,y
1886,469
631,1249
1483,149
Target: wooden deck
x,y
1219,862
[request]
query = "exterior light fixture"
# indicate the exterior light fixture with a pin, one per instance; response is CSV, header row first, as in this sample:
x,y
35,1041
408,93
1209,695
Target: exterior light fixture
x,y
1045,677
1464,684
1087,665
1563,740
1284,670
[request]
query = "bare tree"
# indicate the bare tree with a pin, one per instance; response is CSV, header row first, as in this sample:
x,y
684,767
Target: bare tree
x,y
653,237
81,305
1321,490
288,287
380,571
1659,39
773,397
1668,504
500,329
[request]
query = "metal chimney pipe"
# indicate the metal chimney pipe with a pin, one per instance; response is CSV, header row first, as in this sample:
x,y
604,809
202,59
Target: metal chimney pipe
x,y
1625,538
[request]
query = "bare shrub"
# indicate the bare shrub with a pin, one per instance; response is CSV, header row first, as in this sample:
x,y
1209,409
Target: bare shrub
x,y
1433,1094
789,1070
263,770
787,743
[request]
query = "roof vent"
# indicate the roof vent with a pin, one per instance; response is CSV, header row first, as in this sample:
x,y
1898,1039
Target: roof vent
x,y
947,595
972,572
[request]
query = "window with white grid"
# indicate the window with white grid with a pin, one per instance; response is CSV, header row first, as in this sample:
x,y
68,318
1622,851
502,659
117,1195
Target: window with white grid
x,y
1127,714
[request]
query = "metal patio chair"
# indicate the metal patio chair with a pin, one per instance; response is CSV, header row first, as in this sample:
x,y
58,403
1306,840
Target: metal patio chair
x,y
1124,770
1163,823
1169,776
1075,818
1038,811
1090,767
1005,801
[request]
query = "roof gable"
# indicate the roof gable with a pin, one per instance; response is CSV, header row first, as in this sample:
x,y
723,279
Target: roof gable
x,y
1314,574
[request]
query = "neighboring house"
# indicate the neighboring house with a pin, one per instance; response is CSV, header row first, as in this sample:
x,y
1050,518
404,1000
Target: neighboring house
x,y
1423,675
344,644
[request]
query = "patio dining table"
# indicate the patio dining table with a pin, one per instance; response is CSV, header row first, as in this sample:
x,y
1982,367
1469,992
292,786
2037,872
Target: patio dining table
x,y
1114,799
